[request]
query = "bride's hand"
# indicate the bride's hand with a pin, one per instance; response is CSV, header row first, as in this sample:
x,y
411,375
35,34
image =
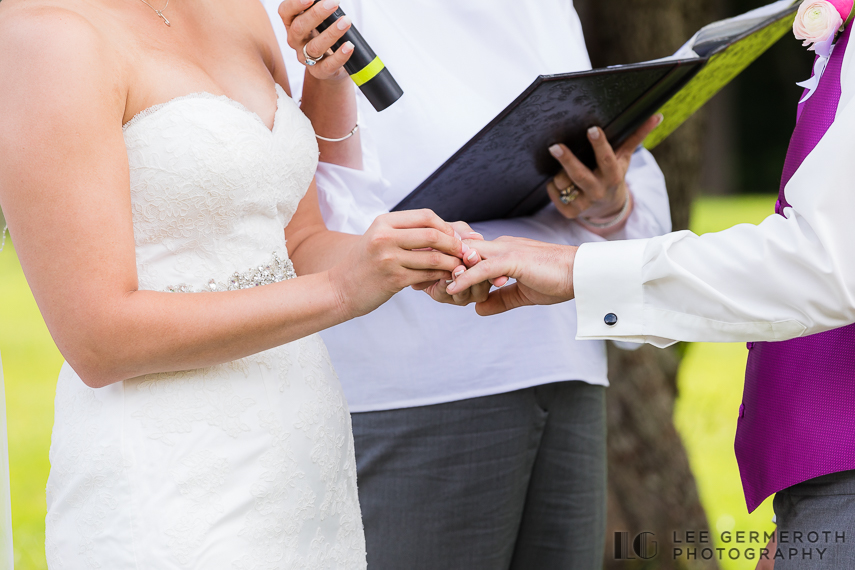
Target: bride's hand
x,y
399,250
301,19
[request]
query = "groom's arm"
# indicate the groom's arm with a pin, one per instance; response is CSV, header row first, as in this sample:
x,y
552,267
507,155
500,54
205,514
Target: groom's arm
x,y
787,277
790,276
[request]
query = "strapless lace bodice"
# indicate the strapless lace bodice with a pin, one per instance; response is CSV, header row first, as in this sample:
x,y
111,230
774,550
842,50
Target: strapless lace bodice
x,y
212,187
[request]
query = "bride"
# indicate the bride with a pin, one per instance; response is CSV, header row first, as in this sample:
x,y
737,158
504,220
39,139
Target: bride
x,y
150,158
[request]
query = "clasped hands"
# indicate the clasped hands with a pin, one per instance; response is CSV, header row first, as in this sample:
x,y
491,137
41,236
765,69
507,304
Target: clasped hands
x,y
452,264
543,274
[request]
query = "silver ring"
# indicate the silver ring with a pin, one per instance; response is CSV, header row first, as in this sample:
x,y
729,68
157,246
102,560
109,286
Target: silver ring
x,y
310,61
568,194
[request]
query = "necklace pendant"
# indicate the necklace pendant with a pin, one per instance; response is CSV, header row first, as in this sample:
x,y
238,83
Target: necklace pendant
x,y
165,21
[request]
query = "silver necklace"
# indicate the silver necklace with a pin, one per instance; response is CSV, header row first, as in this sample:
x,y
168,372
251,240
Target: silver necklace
x,y
159,12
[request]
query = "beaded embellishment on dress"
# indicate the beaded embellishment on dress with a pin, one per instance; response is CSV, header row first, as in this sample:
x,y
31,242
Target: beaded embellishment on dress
x,y
277,270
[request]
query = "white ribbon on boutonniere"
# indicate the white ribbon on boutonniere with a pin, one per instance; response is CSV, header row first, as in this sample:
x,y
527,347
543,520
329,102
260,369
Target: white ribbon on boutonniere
x,y
818,22
824,51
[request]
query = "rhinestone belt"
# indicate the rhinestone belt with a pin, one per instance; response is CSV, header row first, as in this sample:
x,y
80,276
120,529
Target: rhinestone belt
x,y
276,270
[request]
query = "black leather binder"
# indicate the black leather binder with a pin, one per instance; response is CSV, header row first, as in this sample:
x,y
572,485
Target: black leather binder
x,y
502,171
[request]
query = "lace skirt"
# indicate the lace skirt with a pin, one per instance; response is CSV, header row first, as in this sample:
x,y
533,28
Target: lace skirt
x,y
246,465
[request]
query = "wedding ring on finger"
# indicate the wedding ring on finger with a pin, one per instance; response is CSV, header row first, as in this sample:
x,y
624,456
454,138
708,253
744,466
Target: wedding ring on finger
x,y
310,61
568,194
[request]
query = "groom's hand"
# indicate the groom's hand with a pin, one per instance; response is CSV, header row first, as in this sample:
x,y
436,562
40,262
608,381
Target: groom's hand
x,y
470,258
543,273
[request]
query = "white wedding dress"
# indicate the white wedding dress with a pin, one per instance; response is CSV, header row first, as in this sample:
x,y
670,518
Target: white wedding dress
x,y
244,466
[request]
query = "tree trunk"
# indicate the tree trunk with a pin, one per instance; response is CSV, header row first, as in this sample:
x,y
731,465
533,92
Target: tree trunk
x,y
651,487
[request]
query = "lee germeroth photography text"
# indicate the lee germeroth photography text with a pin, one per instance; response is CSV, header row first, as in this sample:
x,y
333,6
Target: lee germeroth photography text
x,y
802,545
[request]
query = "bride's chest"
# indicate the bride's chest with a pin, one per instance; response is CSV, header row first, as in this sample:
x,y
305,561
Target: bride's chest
x,y
203,164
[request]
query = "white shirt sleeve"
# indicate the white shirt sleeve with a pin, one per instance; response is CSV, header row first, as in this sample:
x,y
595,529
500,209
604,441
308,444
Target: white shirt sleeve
x,y
345,204
790,276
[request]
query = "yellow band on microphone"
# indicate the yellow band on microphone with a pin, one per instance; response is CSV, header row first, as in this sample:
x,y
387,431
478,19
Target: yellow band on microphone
x,y
368,72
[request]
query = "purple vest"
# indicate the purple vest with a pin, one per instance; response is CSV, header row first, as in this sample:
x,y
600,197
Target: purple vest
x,y
797,418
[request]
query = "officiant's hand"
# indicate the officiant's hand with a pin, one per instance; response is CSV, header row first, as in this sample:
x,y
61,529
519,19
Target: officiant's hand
x,y
601,193
301,19
543,273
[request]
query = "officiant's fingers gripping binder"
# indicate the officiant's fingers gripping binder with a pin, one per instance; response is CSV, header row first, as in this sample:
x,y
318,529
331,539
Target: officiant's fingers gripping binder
x,y
365,68
503,170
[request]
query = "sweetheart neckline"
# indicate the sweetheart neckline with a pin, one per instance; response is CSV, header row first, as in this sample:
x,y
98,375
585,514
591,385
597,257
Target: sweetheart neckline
x,y
148,111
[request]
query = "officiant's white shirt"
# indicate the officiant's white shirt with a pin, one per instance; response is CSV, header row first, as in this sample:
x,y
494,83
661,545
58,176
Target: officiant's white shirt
x,y
459,64
787,277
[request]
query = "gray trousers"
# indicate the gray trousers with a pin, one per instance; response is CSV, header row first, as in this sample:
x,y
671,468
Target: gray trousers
x,y
512,481
816,524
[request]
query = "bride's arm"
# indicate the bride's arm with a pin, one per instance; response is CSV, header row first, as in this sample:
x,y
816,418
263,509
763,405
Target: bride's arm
x,y
64,186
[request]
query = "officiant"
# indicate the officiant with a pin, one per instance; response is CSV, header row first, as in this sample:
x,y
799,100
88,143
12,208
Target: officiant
x,y
479,444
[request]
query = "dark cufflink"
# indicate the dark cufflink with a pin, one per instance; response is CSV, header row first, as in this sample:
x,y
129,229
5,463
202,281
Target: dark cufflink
x,y
610,319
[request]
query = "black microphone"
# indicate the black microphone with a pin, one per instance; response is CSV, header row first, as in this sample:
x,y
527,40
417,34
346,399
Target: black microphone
x,y
365,68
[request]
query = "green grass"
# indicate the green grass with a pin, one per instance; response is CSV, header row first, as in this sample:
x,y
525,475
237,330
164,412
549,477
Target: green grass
x,y
31,364
710,391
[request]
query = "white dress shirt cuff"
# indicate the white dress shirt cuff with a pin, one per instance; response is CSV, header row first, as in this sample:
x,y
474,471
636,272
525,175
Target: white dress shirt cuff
x,y
608,284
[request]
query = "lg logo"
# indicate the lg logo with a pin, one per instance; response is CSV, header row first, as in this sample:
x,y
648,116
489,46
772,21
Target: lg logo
x,y
642,546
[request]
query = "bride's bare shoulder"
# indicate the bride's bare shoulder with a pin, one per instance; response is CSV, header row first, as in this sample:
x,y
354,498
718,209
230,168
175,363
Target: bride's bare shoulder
x,y
43,18
49,29
47,44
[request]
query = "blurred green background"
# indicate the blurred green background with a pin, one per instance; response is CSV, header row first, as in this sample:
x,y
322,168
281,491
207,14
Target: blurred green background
x,y
710,384
748,129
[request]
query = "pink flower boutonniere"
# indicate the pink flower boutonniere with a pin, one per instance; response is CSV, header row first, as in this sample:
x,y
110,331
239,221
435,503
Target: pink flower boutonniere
x,y
817,24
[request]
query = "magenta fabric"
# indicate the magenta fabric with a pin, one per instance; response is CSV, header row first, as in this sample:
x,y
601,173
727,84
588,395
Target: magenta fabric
x,y
797,418
814,117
